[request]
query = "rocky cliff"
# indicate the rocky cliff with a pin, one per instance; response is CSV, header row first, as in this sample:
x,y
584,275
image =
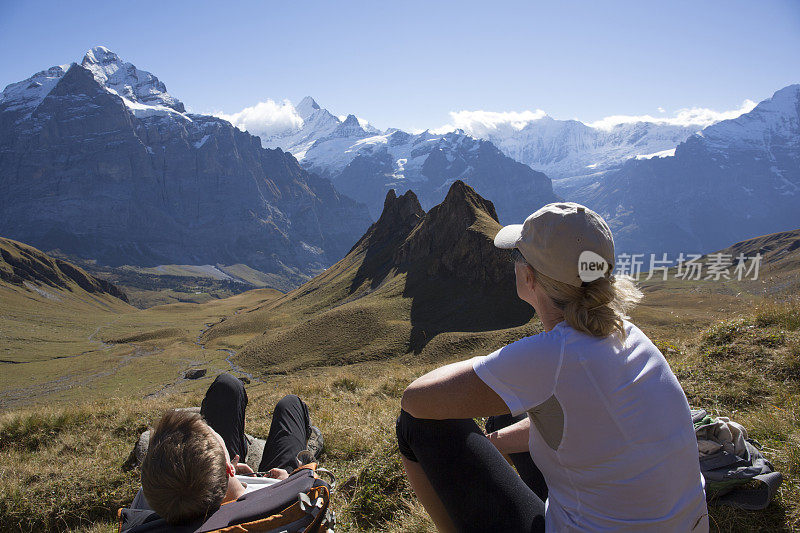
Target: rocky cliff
x,y
97,160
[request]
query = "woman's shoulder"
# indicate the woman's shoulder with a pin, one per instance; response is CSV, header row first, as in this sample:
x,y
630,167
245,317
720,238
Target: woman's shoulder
x,y
555,335
541,344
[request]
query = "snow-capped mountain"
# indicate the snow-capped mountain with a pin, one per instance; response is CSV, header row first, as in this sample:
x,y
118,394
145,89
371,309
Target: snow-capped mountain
x,y
22,97
134,85
97,159
735,179
572,153
365,163
316,123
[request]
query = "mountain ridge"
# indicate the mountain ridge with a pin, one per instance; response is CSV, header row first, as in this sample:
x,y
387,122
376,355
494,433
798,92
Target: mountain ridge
x,y
720,186
26,267
99,175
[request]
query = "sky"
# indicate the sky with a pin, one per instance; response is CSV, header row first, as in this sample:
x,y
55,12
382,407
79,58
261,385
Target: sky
x,y
416,65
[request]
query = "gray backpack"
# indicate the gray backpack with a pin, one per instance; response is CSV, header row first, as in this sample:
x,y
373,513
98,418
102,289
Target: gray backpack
x,y
745,480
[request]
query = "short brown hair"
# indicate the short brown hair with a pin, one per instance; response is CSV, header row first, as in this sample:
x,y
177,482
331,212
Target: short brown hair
x,y
184,475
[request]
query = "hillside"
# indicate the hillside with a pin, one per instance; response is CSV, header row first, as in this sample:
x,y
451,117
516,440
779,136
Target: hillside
x,y
780,251
25,266
49,309
417,284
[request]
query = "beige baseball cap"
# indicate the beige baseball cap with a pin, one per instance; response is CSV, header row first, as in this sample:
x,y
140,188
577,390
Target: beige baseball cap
x,y
565,241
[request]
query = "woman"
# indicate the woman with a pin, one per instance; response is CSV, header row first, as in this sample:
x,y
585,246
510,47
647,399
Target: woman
x,y
608,427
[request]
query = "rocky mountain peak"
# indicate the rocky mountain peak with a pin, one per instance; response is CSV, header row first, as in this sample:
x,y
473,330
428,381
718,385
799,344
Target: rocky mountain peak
x,y
351,122
463,198
307,107
399,217
349,128
100,55
404,211
456,239
27,94
124,79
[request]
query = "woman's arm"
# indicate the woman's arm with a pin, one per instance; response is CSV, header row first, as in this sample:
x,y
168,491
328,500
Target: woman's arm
x,y
451,391
513,438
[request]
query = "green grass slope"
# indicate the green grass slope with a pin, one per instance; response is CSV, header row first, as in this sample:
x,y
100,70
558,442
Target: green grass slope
x,y
49,308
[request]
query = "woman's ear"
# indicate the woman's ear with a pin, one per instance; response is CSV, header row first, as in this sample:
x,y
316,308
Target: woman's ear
x,y
530,278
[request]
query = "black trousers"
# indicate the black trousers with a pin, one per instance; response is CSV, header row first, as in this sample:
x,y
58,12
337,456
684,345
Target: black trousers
x,y
224,406
477,486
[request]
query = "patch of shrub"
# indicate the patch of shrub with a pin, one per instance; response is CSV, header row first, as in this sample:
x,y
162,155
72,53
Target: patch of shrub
x,y
347,384
393,388
722,333
786,316
667,348
34,430
772,340
718,352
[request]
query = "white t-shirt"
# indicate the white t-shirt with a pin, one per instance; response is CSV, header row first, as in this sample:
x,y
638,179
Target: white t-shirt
x,y
627,457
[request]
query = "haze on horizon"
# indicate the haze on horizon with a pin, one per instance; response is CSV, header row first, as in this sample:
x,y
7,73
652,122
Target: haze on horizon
x,y
416,65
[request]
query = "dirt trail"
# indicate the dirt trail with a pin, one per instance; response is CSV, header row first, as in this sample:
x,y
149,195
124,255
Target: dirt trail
x,y
234,368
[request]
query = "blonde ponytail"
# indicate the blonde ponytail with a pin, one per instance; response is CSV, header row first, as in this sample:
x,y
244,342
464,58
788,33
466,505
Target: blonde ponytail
x,y
597,308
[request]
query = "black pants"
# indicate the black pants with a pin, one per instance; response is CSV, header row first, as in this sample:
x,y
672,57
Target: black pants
x,y
224,406
477,486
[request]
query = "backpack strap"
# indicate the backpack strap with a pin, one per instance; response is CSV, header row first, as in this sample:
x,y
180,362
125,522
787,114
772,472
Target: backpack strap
x,y
316,469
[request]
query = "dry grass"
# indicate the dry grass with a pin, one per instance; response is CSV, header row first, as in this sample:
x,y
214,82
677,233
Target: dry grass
x,y
61,468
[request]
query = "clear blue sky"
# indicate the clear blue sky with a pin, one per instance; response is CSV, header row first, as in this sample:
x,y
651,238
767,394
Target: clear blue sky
x,y
407,64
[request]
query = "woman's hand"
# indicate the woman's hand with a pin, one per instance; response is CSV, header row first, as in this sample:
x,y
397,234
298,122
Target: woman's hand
x,y
452,391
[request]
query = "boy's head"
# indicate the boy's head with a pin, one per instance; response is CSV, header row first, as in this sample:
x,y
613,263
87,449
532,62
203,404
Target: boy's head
x,y
186,470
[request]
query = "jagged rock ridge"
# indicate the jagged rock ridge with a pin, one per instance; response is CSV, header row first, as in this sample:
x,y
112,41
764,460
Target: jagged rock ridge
x,y
412,277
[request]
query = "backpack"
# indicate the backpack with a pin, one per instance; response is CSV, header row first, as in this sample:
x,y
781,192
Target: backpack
x,y
745,479
300,503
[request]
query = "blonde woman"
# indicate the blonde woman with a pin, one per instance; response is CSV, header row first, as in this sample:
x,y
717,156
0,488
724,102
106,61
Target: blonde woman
x,y
588,410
